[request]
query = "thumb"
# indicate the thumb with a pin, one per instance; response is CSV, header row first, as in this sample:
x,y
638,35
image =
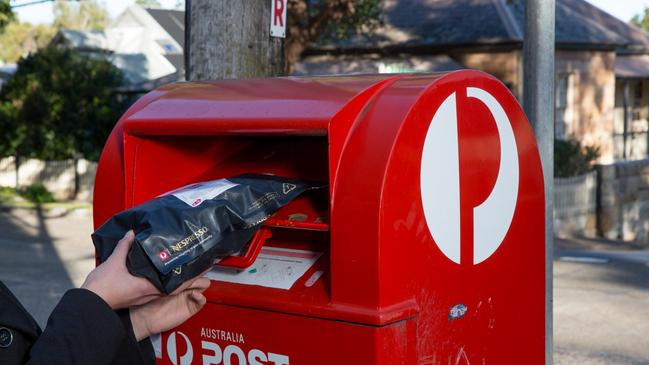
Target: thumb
x,y
121,250
196,301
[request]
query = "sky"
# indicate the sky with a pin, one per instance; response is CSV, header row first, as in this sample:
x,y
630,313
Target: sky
x,y
42,13
623,9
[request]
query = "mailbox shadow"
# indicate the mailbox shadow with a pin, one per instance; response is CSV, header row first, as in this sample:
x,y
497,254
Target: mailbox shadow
x,y
627,273
30,265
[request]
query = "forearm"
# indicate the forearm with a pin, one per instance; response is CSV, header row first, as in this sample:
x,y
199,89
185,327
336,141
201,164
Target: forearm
x,y
82,329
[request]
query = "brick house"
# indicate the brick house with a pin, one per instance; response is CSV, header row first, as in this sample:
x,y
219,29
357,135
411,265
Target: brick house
x,y
602,63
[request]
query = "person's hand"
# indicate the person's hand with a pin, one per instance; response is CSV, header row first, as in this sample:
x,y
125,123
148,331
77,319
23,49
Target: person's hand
x,y
169,311
115,285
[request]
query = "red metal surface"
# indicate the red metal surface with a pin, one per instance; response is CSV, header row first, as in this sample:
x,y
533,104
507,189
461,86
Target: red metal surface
x,y
251,253
387,288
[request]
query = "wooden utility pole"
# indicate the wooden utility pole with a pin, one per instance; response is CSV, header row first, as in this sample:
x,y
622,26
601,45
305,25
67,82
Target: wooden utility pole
x,y
226,39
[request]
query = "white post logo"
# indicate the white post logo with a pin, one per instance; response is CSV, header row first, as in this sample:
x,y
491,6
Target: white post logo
x,y
177,359
440,182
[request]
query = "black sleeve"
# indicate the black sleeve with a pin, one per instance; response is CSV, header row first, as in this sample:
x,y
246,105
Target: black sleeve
x,y
131,351
83,329
18,329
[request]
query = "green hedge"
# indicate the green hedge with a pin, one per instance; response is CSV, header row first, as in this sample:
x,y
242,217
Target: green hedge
x,y
573,159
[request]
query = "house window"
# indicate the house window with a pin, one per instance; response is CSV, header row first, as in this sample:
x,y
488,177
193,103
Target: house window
x,y
636,100
562,121
631,129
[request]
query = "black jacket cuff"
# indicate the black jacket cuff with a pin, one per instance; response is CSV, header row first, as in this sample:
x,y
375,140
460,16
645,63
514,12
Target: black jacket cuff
x,y
136,352
82,329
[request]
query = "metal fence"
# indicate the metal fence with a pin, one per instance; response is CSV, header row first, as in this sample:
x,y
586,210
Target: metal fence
x,y
575,206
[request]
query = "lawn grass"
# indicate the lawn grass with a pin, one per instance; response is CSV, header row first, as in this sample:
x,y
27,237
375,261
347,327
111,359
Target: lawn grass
x,y
10,198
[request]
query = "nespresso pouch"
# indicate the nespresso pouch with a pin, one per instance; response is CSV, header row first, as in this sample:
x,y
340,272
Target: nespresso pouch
x,y
180,234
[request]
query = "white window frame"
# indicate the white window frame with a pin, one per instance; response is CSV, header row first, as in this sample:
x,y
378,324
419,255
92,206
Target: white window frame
x,y
563,116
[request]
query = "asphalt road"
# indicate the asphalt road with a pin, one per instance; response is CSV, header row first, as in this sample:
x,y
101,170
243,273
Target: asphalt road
x,y
43,255
601,307
601,289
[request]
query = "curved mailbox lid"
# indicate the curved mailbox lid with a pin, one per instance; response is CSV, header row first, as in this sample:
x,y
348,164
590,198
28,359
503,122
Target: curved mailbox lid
x,y
387,253
281,106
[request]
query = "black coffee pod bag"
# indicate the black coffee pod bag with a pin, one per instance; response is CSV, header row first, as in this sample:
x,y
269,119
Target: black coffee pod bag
x,y
180,234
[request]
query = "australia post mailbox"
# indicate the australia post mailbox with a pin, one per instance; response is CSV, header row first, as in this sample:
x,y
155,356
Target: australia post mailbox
x,y
427,247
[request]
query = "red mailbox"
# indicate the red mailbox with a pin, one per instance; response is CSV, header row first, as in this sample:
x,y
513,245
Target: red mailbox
x,y
428,247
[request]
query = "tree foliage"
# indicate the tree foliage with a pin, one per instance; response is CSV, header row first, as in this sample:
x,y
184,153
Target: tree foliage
x,y
20,39
641,20
82,15
573,159
313,20
59,104
6,15
148,3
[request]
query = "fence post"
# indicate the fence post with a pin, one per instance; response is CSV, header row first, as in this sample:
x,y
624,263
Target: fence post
x,y
76,177
17,163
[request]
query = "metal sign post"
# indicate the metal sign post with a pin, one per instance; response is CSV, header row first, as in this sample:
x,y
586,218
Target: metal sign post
x,y
538,101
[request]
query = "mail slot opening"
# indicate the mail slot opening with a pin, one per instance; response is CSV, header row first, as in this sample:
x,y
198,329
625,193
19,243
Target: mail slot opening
x,y
204,158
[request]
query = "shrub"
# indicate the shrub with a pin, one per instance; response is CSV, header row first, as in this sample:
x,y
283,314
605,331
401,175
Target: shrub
x,y
7,194
573,159
36,193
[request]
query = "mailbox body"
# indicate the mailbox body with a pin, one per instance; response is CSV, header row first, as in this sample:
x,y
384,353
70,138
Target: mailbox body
x,y
391,290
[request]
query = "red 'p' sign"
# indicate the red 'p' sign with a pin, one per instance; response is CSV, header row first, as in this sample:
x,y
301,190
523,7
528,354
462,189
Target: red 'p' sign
x,y
278,18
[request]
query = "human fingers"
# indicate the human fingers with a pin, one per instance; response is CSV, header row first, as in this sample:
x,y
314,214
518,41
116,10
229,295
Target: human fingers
x,y
200,284
198,296
187,284
146,299
195,302
123,246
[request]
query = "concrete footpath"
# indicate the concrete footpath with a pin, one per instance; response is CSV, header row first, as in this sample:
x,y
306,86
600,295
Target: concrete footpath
x,y
601,288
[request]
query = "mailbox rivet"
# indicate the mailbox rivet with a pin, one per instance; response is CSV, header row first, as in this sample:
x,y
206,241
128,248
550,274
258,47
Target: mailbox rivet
x,y
457,311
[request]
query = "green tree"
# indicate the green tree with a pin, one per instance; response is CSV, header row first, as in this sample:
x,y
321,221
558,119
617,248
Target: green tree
x,y
82,15
641,20
59,104
21,39
6,15
316,20
148,3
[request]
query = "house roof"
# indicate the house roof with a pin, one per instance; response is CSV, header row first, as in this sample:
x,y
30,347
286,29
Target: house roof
x,y
177,60
444,23
82,40
144,43
330,65
173,21
632,66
